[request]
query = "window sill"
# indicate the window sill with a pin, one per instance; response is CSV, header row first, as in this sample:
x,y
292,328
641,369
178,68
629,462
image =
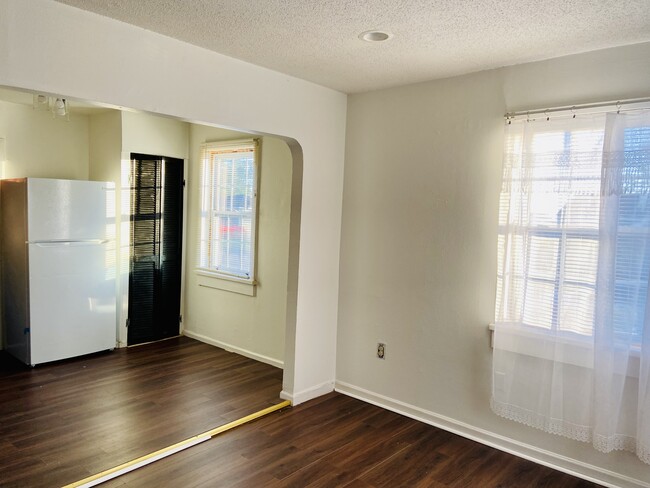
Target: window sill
x,y
572,352
207,279
536,343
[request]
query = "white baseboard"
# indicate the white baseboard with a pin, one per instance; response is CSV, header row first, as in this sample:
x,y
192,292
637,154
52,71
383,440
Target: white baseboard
x,y
307,394
565,464
230,348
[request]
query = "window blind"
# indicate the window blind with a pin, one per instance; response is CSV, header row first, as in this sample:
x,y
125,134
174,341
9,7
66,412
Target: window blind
x,y
228,208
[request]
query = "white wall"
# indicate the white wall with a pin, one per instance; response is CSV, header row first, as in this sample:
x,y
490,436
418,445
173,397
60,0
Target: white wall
x,y
250,325
418,246
53,48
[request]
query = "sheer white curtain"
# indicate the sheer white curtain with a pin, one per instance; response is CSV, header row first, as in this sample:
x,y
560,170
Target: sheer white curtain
x,y
572,330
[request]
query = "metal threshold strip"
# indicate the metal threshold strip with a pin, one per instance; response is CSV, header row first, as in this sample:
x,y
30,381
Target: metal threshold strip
x,y
124,468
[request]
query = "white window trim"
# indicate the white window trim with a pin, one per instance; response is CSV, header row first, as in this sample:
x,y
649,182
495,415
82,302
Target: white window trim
x,y
223,280
207,279
580,352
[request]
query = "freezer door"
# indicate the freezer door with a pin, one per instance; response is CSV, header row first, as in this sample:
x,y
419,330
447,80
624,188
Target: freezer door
x,y
72,299
69,209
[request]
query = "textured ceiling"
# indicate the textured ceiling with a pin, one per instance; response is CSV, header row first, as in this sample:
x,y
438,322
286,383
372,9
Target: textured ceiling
x,y
317,40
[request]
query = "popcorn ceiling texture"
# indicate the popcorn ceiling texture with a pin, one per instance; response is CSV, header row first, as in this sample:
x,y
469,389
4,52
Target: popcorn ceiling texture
x,y
317,39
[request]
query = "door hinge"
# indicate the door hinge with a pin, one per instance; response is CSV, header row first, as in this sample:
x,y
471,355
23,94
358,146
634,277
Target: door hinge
x,y
128,322
180,318
183,183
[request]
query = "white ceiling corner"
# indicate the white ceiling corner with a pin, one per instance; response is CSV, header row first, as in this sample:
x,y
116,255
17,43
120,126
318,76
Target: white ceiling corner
x,y
318,40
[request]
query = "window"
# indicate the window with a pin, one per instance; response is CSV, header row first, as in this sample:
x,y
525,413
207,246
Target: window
x,y
228,209
551,227
552,199
572,329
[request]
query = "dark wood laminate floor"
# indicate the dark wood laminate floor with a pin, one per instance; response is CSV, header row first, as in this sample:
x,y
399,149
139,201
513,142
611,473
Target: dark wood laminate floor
x,y
337,441
64,421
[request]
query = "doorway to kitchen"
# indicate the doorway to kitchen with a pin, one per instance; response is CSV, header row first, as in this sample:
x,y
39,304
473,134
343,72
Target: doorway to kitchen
x,y
156,248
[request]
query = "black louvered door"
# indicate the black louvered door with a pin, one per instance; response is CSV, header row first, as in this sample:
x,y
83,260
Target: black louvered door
x,y
156,238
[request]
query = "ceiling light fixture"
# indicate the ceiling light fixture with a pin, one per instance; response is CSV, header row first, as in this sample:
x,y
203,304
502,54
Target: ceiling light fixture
x,y
41,102
375,36
58,107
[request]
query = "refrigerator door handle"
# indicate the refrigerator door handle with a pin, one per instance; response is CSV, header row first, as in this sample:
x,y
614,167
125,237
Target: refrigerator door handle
x,y
91,242
50,244
82,242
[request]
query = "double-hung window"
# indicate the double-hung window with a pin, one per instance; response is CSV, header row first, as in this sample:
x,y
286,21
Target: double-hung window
x,y
548,239
556,209
228,209
572,328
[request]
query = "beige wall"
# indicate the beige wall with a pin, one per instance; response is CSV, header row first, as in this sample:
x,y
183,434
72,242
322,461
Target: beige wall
x,y
105,144
38,145
418,246
250,325
150,134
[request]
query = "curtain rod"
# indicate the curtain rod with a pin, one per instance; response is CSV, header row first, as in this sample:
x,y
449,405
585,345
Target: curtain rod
x,y
582,108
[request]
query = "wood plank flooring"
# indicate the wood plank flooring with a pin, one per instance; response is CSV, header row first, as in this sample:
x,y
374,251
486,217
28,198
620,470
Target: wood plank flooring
x,y
337,441
64,421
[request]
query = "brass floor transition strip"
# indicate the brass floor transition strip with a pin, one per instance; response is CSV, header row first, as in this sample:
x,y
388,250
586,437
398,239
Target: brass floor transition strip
x,y
168,451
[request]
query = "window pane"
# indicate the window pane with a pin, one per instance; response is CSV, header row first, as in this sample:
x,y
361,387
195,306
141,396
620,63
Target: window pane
x,y
552,202
581,260
543,256
539,301
577,309
550,226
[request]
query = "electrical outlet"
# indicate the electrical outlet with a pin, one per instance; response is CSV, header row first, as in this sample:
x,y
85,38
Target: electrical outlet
x,y
381,350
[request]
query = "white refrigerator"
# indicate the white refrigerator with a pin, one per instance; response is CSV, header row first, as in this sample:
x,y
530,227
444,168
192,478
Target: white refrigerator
x,y
58,268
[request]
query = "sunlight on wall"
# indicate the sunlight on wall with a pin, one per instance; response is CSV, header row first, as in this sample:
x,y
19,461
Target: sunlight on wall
x,y
111,252
125,206
3,155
